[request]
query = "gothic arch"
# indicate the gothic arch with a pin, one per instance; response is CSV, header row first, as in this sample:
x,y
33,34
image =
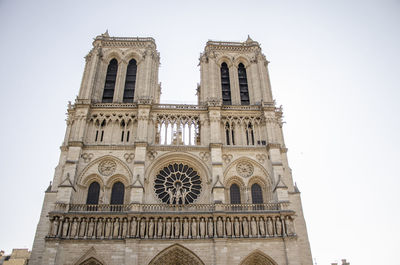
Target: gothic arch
x,y
229,182
133,55
90,179
258,258
91,257
257,165
176,255
224,59
113,54
91,169
265,185
117,178
242,59
178,157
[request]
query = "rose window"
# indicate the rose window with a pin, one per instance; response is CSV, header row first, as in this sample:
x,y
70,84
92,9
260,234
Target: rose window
x,y
177,184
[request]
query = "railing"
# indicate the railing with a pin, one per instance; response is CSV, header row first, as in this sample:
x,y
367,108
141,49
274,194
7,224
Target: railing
x,y
171,208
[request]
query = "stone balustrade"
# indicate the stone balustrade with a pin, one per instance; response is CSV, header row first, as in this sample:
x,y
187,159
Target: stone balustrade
x,y
172,208
165,226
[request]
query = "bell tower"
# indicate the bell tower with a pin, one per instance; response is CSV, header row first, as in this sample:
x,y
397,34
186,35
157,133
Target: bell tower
x,y
234,73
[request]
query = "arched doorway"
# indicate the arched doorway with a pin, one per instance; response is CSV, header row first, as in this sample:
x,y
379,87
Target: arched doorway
x,y
176,255
258,258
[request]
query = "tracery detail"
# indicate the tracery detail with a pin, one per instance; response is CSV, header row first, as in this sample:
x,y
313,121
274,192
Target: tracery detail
x,y
177,184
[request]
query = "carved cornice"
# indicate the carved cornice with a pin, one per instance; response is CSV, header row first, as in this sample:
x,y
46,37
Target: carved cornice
x,y
273,146
177,148
75,143
230,148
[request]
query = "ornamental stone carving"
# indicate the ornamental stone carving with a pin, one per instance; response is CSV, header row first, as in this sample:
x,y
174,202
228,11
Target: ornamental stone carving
x,y
129,157
177,184
245,169
107,167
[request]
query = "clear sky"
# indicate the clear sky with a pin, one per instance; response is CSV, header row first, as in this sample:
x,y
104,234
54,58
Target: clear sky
x,y
335,68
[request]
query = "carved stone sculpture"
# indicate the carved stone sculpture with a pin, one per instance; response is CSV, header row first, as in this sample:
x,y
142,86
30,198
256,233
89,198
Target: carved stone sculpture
x,y
228,226
160,227
168,228
202,227
253,226
177,229
142,228
194,228
54,229
289,226
185,228
124,228
82,227
210,227
74,228
220,230
278,225
90,229
116,228
245,227
261,226
270,227
65,227
237,227
151,228
133,227
99,229
107,232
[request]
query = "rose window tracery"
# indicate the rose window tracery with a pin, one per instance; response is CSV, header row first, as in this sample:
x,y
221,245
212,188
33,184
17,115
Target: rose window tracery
x,y
177,184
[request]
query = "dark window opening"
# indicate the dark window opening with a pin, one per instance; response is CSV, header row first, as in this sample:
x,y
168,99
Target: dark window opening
x,y
235,194
130,81
102,135
225,85
256,194
97,135
111,78
127,136
122,136
93,193
117,193
243,87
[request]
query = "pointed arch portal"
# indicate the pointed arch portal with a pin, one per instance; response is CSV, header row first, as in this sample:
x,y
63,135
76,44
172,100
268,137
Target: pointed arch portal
x,y
258,258
176,255
91,261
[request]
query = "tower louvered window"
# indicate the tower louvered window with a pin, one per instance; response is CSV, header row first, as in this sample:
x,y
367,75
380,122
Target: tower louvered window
x,y
117,193
235,194
243,86
256,194
130,81
225,85
93,193
111,78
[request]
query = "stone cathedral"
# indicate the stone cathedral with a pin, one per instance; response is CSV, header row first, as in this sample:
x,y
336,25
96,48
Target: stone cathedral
x,y
144,183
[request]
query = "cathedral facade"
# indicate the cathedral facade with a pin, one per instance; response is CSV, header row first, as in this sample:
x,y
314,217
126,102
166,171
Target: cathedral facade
x,y
140,182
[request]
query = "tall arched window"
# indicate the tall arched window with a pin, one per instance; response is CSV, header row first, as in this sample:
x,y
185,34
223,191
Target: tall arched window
x,y
243,87
130,81
225,85
93,193
249,134
256,194
117,193
111,78
235,194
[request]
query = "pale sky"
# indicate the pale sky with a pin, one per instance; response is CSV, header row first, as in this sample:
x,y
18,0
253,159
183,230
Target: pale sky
x,y
335,68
